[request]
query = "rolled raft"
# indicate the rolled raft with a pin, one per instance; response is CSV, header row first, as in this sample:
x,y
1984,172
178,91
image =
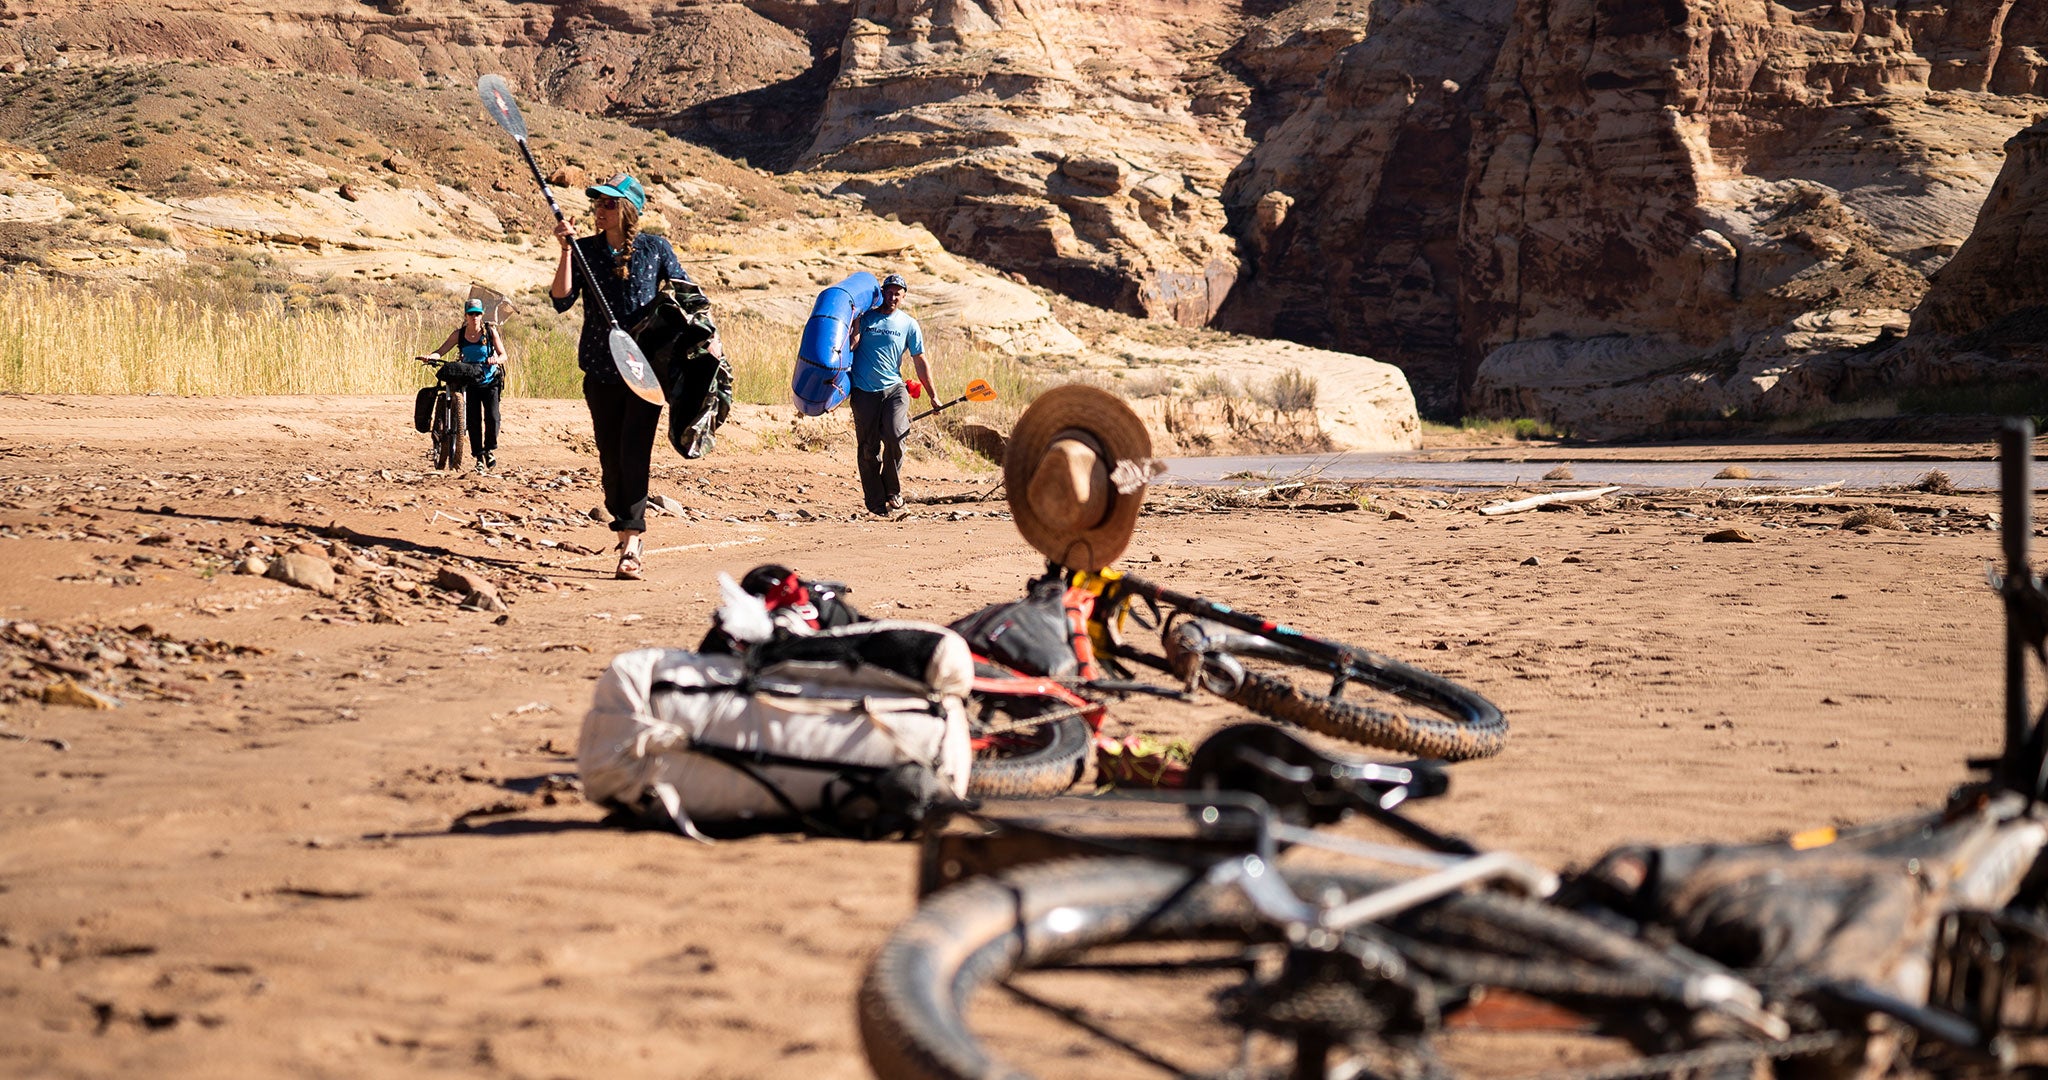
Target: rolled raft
x,y
825,355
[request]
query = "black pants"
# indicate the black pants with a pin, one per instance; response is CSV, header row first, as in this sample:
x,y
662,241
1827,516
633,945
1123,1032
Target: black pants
x,y
880,421
483,417
624,426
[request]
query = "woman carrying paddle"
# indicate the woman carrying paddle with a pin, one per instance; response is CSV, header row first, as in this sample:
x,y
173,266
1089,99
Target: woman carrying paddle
x,y
628,268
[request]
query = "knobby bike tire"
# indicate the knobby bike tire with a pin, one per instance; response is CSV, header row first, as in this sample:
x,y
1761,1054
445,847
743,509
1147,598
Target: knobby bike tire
x,y
455,430
1461,724
1045,761
442,425
913,1000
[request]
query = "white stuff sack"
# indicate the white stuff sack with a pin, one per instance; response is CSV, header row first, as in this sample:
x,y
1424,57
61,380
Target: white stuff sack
x,y
652,705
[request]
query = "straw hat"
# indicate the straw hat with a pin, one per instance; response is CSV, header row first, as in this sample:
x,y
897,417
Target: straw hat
x,y
1057,469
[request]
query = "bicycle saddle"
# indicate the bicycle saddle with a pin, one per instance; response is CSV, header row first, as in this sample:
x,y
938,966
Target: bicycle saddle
x,y
1302,783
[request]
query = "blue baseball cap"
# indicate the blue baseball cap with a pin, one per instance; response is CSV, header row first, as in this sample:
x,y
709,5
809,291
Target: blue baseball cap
x,y
622,186
474,307
896,280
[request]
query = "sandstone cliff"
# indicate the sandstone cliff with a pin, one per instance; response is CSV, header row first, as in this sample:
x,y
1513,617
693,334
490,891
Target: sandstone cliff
x,y
1605,212
1625,188
2002,271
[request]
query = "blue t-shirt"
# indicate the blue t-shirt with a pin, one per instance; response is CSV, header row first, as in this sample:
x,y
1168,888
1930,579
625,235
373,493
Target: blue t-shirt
x,y
878,356
478,352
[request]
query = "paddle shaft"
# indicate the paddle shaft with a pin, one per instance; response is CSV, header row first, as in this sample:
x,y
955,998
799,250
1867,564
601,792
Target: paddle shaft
x,y
575,249
938,408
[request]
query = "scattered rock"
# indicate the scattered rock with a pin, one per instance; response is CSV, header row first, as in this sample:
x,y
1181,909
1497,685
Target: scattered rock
x,y
600,515
1560,472
253,565
1398,515
485,599
1532,561
398,163
66,692
457,580
348,192
666,504
1732,472
568,176
304,572
1728,536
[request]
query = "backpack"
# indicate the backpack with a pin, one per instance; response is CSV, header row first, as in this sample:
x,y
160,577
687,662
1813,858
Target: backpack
x,y
858,732
680,339
1045,633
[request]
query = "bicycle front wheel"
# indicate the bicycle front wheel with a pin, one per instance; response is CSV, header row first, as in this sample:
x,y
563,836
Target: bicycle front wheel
x,y
1123,966
1459,724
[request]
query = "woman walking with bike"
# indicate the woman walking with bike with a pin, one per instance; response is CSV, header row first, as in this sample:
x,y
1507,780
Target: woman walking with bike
x,y
481,371
629,268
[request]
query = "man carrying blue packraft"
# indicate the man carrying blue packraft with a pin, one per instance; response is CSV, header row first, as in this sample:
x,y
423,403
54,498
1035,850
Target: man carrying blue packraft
x,y
881,402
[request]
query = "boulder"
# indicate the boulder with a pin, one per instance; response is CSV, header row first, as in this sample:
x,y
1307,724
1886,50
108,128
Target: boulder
x,y
457,580
303,571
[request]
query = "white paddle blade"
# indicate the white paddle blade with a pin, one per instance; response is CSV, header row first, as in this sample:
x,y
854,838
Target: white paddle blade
x,y
498,101
634,368
980,390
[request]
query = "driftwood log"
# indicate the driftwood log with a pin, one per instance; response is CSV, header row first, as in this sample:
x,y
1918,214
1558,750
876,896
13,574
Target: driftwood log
x,y
1534,501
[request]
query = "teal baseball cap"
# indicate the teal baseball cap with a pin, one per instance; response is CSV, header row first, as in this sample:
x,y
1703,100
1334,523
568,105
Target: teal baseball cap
x,y
622,186
474,307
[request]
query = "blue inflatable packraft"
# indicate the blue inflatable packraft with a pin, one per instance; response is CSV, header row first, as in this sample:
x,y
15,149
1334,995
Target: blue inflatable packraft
x,y
824,357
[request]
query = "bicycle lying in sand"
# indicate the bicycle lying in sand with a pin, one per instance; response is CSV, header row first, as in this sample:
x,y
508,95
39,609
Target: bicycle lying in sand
x,y
1034,733
1208,933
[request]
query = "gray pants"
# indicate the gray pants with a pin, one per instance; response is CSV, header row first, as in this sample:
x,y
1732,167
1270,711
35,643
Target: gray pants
x,y
880,421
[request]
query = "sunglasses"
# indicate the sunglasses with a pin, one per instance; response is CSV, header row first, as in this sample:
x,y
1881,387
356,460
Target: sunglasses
x,y
604,202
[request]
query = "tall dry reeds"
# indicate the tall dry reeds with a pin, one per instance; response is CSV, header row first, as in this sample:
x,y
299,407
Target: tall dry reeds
x,y
237,331
57,338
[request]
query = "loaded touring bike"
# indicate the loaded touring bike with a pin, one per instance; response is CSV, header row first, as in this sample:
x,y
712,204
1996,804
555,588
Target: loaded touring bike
x,y
1036,725
1218,932
438,411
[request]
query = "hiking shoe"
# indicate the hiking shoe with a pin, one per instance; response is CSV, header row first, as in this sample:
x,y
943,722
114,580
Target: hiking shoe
x,y
895,502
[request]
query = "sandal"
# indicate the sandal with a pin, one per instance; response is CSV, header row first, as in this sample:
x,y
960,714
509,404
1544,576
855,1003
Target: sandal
x,y
629,566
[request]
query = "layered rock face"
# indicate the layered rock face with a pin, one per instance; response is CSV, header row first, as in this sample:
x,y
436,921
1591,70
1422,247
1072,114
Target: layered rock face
x,y
1065,139
744,78
1350,208
2002,271
1080,143
1547,197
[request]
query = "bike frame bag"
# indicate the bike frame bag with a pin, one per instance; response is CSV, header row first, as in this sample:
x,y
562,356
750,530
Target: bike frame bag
x,y
818,735
1045,633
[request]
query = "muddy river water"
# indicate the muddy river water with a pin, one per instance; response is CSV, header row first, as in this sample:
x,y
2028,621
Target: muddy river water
x,y
1857,473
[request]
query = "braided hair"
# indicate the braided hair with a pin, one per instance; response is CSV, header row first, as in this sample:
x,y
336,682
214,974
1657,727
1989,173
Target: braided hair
x,y
629,225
